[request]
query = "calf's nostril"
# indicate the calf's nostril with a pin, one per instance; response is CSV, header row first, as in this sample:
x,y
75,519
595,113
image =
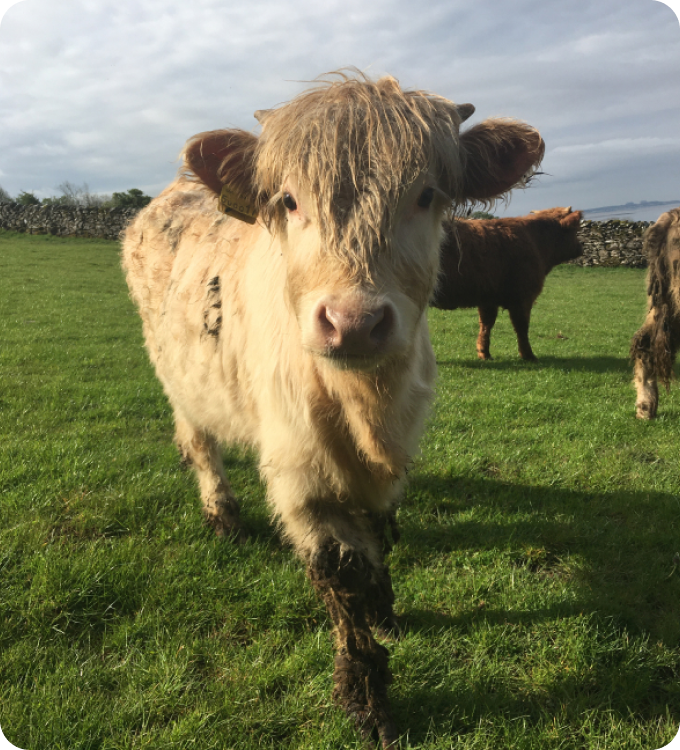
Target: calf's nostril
x,y
353,331
330,325
381,325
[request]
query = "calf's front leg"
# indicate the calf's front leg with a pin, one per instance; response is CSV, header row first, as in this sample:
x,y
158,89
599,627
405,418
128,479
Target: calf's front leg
x,y
381,617
345,580
520,315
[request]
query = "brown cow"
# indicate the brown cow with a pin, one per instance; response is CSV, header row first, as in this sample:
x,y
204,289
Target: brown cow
x,y
283,283
492,263
655,345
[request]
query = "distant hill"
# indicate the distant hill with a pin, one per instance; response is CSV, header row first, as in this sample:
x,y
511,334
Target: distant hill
x,y
630,206
645,210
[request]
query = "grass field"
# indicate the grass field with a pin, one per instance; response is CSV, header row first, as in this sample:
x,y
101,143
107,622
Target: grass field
x,y
537,580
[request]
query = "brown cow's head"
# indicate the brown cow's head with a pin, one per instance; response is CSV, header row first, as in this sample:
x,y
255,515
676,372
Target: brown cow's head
x,y
353,178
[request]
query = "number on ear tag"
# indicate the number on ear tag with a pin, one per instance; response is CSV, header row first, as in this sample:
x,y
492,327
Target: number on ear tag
x,y
233,204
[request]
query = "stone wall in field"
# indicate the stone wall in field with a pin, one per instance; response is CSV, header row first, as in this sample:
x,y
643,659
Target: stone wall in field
x,y
605,243
612,243
66,221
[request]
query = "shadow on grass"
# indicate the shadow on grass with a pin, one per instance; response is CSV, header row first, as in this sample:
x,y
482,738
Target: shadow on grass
x,y
566,364
617,556
573,701
621,548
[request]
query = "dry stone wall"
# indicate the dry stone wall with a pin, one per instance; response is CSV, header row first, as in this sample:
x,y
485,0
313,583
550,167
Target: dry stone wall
x,y
605,243
612,243
66,221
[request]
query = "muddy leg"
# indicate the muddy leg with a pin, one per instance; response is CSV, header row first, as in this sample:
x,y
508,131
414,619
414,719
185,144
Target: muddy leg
x,y
346,580
201,451
487,318
520,316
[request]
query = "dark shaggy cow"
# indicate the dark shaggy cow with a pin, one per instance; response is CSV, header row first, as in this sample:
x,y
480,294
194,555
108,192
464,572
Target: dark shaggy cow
x,y
655,345
492,263
283,284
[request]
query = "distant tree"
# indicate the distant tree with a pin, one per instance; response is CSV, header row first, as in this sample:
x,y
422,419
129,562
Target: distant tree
x,y
76,195
134,198
5,197
72,194
27,199
482,215
60,200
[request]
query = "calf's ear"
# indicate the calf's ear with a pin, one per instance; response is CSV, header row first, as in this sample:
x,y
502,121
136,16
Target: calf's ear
x,y
497,155
224,161
572,218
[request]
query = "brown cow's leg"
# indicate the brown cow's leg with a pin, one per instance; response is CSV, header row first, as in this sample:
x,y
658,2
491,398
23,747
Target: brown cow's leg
x,y
201,451
347,582
487,318
520,315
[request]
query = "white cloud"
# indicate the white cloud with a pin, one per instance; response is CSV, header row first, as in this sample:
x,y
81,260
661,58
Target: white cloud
x,y
107,92
619,147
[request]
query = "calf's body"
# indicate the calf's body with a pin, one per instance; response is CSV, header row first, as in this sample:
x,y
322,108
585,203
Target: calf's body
x,y
283,283
492,263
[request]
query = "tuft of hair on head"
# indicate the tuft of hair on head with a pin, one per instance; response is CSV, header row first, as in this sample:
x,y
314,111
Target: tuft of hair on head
x,y
354,144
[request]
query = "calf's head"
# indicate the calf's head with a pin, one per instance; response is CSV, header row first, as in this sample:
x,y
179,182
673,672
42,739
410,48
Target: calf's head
x,y
353,178
559,235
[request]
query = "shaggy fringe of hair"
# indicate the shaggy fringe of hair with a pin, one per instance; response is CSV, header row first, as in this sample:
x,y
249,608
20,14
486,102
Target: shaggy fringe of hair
x,y
354,143
663,288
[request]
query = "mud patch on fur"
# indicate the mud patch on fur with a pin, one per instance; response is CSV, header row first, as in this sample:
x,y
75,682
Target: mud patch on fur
x,y
212,315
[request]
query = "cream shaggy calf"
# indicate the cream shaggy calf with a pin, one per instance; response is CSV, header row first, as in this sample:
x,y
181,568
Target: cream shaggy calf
x,y
283,283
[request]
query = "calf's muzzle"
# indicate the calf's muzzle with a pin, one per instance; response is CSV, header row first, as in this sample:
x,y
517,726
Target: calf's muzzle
x,y
351,330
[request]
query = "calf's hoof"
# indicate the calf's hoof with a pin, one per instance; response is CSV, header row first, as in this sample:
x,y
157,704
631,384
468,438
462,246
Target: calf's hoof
x,y
373,730
223,515
361,690
388,628
645,410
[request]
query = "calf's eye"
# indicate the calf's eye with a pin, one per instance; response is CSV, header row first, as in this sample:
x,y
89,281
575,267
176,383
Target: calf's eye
x,y
289,202
425,198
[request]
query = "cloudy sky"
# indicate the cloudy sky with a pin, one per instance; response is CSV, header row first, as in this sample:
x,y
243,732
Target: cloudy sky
x,y
105,92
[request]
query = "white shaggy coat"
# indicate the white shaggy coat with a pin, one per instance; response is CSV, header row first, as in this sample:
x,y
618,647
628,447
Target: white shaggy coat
x,y
304,334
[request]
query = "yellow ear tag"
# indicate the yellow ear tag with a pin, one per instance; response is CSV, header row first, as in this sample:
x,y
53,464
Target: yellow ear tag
x,y
233,204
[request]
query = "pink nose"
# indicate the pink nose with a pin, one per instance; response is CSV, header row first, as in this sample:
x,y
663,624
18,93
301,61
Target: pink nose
x,y
351,331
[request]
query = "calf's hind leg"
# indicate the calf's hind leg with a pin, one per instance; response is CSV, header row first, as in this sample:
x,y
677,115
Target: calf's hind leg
x,y
647,400
201,451
644,375
487,318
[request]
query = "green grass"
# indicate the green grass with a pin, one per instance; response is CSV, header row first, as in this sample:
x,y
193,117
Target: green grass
x,y
537,580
